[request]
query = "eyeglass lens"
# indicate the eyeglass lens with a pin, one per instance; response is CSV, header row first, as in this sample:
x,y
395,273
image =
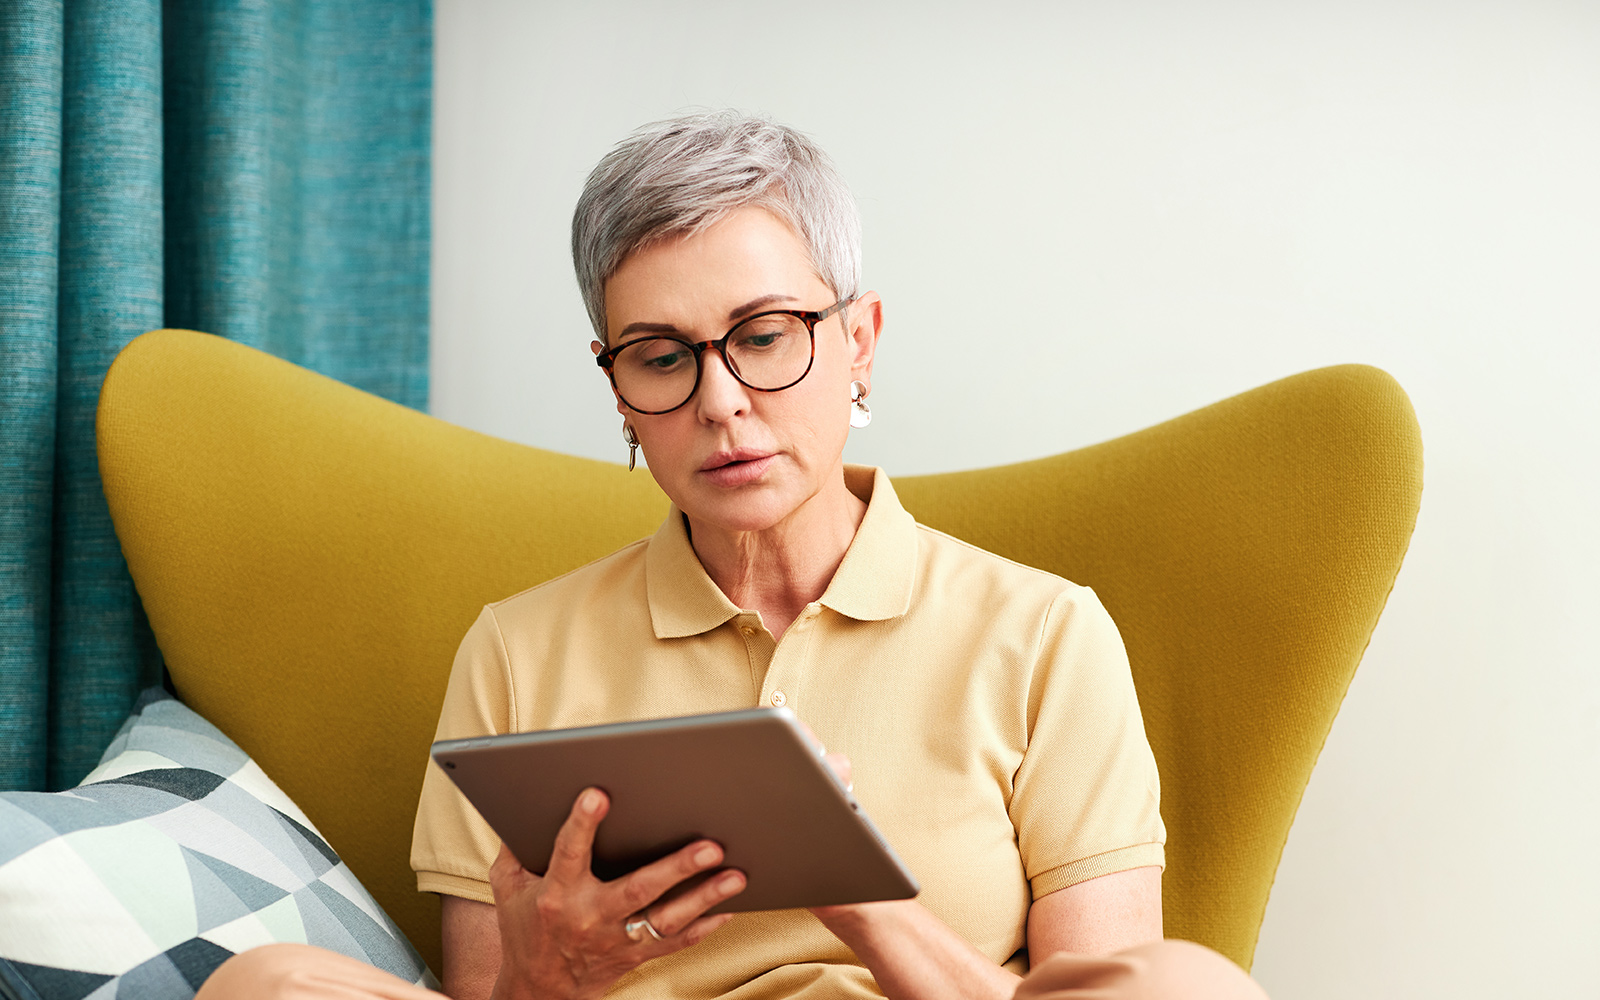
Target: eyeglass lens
x,y
767,352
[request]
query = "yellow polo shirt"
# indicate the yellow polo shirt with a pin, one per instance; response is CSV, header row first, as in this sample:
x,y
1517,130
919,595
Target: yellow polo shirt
x,y
986,707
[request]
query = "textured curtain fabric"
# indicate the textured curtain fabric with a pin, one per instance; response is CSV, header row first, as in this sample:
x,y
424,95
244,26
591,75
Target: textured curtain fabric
x,y
253,168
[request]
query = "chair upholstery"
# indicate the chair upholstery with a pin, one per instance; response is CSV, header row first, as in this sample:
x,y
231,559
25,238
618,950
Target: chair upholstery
x,y
310,555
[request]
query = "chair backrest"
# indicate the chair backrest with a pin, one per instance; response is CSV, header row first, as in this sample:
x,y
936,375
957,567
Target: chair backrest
x,y
1245,551
310,555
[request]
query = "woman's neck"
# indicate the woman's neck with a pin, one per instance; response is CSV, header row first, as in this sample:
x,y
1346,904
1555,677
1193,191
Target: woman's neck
x,y
779,570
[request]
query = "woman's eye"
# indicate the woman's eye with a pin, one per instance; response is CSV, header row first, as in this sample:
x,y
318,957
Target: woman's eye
x,y
759,339
659,358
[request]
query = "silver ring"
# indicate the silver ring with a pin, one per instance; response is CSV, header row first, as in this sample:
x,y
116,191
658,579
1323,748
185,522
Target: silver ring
x,y
639,926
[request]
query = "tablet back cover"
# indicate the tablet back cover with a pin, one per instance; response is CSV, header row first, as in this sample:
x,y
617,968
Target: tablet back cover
x,y
746,779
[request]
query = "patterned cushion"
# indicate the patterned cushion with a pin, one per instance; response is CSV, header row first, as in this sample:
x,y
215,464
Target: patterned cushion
x,y
173,854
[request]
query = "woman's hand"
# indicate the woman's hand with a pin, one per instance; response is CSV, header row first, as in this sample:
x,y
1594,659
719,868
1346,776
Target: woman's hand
x,y
913,955
562,935
910,952
837,761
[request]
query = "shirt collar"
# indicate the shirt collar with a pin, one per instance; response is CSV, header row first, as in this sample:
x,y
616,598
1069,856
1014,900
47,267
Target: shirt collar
x,y
873,583
683,598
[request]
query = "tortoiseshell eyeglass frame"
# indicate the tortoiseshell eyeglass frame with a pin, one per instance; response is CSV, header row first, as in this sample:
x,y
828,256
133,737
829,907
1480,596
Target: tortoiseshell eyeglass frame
x,y
605,359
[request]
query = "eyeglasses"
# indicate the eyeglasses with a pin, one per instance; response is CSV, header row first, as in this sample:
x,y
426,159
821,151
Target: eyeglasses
x,y
766,352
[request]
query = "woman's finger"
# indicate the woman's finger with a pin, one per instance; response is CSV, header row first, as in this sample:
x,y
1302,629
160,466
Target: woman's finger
x,y
838,761
841,766
677,915
697,931
643,886
570,857
810,735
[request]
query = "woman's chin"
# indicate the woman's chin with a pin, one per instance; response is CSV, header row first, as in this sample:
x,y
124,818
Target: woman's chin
x,y
754,507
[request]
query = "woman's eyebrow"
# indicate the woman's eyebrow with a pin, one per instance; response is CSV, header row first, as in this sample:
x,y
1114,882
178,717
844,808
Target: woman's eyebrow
x,y
754,304
647,328
733,317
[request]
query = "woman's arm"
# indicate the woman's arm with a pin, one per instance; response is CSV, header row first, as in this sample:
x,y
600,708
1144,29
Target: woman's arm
x,y
471,941
909,950
914,956
1101,916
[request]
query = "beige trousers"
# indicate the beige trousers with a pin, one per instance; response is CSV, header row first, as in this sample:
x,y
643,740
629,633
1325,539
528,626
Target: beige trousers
x,y
1165,970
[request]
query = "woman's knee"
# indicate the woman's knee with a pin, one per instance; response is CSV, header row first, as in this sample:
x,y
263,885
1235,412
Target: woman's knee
x,y
272,970
303,972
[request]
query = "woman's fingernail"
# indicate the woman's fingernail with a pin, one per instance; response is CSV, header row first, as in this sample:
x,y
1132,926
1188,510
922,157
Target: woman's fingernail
x,y
731,882
591,800
706,856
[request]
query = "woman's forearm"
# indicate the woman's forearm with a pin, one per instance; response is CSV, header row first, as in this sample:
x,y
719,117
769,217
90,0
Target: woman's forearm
x,y
913,955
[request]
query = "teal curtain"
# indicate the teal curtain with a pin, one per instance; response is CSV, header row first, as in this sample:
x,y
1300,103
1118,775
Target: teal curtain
x,y
252,168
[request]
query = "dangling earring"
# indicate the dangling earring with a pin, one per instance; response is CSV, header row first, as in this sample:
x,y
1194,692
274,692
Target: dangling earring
x,y
633,444
860,412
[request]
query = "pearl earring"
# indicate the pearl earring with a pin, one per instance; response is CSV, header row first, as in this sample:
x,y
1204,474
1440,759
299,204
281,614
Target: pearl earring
x,y
860,412
633,444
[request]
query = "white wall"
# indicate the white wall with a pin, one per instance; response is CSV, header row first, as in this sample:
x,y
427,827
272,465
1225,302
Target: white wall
x,y
1164,204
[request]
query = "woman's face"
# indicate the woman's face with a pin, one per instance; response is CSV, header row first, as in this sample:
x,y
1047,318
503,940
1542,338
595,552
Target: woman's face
x,y
732,456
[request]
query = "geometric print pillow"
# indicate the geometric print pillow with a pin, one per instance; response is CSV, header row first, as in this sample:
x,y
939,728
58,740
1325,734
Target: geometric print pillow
x,y
174,854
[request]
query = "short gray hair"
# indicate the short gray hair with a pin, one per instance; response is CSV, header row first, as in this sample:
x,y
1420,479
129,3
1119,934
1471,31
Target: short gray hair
x,y
676,177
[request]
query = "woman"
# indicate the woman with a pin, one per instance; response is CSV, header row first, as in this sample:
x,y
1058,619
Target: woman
x,y
985,708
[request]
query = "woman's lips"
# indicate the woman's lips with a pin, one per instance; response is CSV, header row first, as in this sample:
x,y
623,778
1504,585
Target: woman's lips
x,y
735,471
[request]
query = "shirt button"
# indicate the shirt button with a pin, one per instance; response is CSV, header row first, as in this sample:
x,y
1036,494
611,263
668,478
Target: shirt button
x,y
778,698
746,631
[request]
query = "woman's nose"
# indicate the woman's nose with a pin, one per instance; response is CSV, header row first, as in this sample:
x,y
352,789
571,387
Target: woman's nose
x,y
720,395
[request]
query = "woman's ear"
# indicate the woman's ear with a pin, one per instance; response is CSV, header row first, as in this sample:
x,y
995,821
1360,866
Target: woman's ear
x,y
864,327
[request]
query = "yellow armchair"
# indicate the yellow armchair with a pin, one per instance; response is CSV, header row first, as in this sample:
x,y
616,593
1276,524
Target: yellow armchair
x,y
309,556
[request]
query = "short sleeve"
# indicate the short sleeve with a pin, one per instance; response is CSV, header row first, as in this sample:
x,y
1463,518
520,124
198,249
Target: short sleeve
x,y
451,845
1086,799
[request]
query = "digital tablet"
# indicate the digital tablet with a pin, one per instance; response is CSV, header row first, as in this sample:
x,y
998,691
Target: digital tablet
x,y
749,780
